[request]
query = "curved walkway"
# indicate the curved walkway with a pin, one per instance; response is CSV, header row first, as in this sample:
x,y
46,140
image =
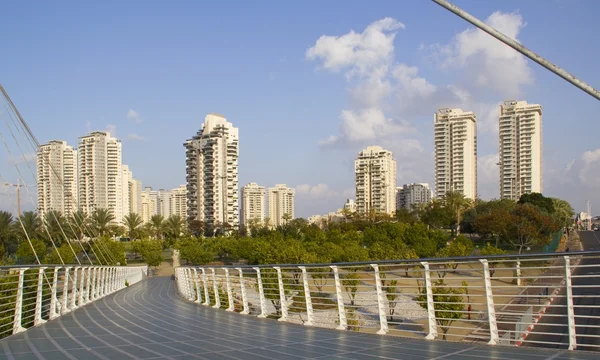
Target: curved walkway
x,y
150,321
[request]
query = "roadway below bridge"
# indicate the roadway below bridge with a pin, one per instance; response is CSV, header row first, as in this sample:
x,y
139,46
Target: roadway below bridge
x,y
552,328
150,321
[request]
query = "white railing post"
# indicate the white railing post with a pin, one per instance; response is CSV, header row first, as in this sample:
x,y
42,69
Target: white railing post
x,y
82,287
17,327
94,292
205,285
340,300
246,309
494,338
430,305
307,298
215,289
229,291
38,298
261,293
114,279
282,298
88,282
381,301
65,299
100,281
570,308
54,299
74,289
190,282
197,284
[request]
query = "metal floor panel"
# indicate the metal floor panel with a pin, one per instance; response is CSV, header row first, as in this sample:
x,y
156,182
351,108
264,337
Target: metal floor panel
x,y
150,321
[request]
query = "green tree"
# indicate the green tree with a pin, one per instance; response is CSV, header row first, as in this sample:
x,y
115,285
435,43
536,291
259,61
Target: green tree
x,y
100,222
27,255
55,228
392,293
457,204
150,250
79,225
109,251
563,212
539,201
448,304
28,225
157,224
66,255
133,223
490,250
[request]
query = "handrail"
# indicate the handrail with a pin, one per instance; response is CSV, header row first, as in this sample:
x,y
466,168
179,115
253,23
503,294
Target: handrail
x,y
501,299
431,259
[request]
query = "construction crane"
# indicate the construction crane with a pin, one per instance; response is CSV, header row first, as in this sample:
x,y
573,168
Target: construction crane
x,y
18,187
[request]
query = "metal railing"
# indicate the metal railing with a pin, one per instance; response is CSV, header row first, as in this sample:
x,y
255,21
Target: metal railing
x,y
32,295
531,299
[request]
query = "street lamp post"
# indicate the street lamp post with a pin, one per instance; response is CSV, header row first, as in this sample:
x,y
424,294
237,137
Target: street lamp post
x,y
18,187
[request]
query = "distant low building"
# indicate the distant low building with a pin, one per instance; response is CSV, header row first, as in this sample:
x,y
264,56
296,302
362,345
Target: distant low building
x,y
410,195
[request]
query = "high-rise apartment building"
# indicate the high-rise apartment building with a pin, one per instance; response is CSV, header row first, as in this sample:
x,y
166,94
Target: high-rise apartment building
x,y
410,195
57,178
520,149
135,196
281,204
212,173
149,203
100,174
253,204
178,202
126,178
164,203
375,170
455,140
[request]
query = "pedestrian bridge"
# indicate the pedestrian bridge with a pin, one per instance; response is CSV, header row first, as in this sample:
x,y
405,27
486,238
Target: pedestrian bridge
x,y
118,312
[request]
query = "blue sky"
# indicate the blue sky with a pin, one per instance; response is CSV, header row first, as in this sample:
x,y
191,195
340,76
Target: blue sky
x,y
304,106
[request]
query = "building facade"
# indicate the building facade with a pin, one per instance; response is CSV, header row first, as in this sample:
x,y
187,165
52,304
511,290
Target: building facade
x,y
100,174
253,204
375,170
149,203
520,149
57,178
411,195
212,173
455,141
178,202
281,204
135,196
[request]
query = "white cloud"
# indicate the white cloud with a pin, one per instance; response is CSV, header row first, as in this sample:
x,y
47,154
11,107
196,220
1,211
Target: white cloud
x,y
136,137
134,116
111,129
590,169
488,62
358,52
315,191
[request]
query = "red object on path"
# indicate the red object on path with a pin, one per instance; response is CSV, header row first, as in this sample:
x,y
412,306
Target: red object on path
x,y
469,311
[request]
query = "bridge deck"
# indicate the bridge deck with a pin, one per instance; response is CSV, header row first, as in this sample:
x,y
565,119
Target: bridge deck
x,y
150,321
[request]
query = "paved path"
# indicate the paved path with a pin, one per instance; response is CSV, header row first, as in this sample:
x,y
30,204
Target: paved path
x,y
554,322
150,321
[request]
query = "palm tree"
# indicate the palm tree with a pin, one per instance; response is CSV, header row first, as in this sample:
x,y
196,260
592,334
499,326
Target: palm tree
x,y
55,226
101,219
174,226
157,223
6,226
457,203
79,224
133,222
29,225
563,211
286,218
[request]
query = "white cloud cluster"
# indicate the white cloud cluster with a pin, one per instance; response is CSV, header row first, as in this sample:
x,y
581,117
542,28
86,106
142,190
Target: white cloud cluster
x,y
134,116
384,93
25,158
491,63
590,168
315,191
